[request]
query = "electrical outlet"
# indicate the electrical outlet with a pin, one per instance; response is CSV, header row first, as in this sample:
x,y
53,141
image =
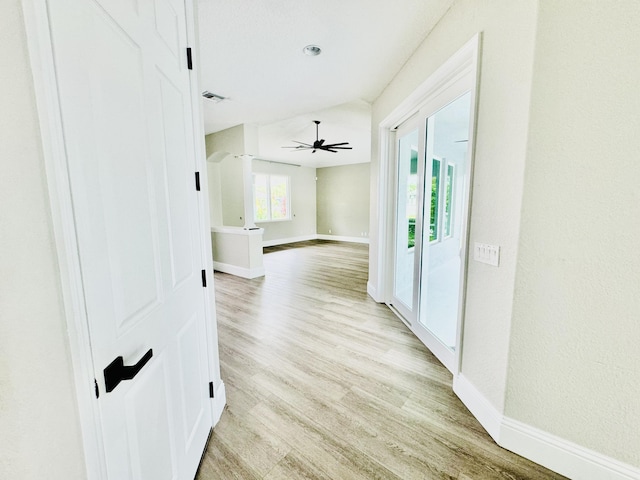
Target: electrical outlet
x,y
329,230
485,253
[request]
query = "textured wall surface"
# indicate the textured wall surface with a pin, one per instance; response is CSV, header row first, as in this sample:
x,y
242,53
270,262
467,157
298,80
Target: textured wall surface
x,y
574,357
39,430
343,200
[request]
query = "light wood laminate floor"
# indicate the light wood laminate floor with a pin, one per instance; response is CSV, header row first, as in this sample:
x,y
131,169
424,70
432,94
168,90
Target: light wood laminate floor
x,y
324,383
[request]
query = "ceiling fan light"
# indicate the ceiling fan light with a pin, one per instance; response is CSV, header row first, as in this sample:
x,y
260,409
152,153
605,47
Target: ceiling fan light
x,y
312,50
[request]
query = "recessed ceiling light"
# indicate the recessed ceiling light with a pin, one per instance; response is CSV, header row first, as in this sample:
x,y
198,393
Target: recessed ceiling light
x,y
312,50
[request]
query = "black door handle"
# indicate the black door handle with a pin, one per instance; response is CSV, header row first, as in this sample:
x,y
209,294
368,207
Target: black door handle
x,y
116,371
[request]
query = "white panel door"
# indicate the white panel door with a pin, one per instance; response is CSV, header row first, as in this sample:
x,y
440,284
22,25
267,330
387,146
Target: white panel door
x,y
126,113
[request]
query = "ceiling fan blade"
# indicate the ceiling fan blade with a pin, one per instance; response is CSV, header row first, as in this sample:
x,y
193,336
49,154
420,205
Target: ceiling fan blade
x,y
319,144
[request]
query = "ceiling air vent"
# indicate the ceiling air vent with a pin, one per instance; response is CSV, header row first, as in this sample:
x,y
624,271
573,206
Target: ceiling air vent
x,y
214,97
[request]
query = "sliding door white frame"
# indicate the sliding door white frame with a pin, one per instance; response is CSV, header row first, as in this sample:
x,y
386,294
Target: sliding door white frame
x,y
457,75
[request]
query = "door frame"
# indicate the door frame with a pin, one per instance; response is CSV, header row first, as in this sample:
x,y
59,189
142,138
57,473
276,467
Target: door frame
x,y
42,64
432,92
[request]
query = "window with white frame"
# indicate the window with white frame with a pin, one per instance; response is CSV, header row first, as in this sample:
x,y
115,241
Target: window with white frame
x,y
441,206
271,197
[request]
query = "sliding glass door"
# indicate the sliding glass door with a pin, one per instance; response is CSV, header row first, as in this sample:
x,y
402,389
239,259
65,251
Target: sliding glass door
x,y
432,185
441,265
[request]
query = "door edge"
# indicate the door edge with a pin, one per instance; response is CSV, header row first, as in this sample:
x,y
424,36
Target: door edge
x,y
42,64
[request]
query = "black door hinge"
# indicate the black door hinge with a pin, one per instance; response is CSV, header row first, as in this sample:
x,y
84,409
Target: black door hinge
x,y
95,382
204,278
210,389
189,59
198,181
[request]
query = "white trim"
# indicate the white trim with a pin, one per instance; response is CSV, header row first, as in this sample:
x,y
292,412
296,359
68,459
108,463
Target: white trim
x,y
211,325
238,271
238,230
306,238
283,241
373,292
219,402
562,456
488,416
47,102
383,209
339,238
557,454
456,66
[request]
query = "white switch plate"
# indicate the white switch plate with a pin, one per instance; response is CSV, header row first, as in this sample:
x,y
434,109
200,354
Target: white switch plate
x,y
485,253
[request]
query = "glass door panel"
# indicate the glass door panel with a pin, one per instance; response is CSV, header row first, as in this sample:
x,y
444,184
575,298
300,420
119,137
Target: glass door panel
x,y
441,269
405,223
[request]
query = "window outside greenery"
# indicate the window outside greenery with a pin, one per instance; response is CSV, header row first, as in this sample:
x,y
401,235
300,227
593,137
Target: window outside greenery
x,y
448,200
271,197
435,200
412,197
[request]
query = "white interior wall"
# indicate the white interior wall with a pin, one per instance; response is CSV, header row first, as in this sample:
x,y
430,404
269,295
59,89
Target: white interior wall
x,y
574,356
39,427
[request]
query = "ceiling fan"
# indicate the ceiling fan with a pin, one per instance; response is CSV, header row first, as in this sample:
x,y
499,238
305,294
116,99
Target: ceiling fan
x,y
320,145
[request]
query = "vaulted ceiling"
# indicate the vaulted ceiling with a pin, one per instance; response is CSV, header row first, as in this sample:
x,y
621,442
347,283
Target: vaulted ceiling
x,y
251,51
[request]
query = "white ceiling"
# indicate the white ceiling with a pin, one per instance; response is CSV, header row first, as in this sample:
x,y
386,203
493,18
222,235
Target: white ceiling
x,y
251,52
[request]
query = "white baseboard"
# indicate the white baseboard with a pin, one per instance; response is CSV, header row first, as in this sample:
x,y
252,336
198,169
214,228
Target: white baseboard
x,y
283,241
373,292
219,402
238,271
339,238
555,453
479,406
305,238
562,456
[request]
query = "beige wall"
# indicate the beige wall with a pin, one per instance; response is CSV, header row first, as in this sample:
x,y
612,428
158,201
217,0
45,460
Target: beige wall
x,y
224,174
343,200
215,193
574,358
39,428
508,29
232,191
303,202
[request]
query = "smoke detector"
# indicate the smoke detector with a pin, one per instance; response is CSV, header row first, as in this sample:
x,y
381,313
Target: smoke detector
x,y
214,97
312,50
